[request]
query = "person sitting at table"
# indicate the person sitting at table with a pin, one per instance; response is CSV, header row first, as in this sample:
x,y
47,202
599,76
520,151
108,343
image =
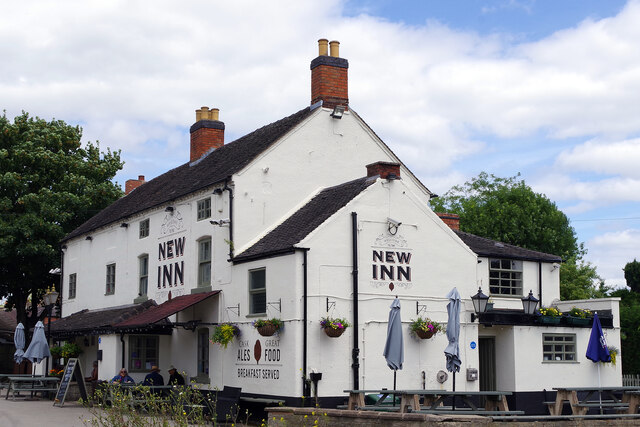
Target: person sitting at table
x,y
153,377
94,373
122,377
174,376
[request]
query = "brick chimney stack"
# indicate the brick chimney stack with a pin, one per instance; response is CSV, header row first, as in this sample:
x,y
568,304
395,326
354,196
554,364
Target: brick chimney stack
x,y
132,184
452,220
386,170
329,82
206,133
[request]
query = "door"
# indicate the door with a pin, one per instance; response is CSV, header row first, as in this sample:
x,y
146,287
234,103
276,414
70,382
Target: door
x,y
487,369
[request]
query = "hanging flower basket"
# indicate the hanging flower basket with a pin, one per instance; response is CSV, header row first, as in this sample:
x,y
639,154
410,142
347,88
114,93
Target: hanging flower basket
x,y
266,330
268,327
333,333
424,335
425,328
333,327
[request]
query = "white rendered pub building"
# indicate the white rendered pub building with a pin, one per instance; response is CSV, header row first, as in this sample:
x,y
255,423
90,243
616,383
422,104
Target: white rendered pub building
x,y
310,216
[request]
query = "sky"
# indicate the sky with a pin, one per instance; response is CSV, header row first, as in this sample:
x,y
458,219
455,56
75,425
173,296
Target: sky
x,y
545,88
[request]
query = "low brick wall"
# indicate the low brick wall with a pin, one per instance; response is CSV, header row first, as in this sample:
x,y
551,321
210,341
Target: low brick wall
x,y
286,416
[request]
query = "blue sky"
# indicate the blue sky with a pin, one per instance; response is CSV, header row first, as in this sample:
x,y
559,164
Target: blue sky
x,y
547,89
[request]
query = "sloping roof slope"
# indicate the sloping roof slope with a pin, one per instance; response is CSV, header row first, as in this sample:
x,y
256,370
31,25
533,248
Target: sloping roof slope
x,y
491,248
188,178
88,322
164,310
295,228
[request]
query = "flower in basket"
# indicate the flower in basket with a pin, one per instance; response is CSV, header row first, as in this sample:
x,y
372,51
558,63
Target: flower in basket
x,y
613,352
549,312
70,349
224,333
334,323
425,325
582,313
56,352
268,327
56,372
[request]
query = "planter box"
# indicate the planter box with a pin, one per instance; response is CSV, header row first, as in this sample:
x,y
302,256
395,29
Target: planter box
x,y
578,321
549,320
266,330
333,333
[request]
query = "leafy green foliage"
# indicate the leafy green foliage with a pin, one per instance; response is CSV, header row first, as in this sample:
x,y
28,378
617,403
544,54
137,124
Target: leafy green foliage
x,y
580,280
630,333
224,333
275,322
49,185
426,325
334,323
508,210
632,275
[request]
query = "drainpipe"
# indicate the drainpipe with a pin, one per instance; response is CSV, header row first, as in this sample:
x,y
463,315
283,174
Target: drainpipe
x,y
62,249
540,282
230,190
305,319
355,353
122,342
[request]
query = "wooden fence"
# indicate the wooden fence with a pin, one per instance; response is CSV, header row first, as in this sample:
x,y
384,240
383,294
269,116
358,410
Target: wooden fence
x,y
631,380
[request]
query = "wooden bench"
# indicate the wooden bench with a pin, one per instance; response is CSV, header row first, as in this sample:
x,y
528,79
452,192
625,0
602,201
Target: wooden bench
x,y
263,400
463,411
32,385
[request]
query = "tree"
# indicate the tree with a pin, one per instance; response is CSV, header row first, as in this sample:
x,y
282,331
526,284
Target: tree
x,y
632,275
49,185
629,331
578,280
508,210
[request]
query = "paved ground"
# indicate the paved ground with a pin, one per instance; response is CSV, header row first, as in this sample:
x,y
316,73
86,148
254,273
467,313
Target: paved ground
x,y
38,412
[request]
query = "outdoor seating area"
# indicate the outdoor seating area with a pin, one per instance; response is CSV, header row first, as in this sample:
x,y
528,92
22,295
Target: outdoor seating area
x,y
31,384
602,399
433,402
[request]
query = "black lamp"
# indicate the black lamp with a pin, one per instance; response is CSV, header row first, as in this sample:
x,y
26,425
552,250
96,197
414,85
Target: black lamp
x,y
479,304
529,303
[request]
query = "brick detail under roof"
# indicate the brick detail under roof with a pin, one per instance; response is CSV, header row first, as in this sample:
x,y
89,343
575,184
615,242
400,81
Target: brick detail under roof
x,y
384,169
452,220
329,81
205,135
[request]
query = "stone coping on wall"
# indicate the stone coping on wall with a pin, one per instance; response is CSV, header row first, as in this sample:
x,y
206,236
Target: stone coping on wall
x,y
289,416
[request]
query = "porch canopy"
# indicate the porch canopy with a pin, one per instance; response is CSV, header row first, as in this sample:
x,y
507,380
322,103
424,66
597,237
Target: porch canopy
x,y
147,317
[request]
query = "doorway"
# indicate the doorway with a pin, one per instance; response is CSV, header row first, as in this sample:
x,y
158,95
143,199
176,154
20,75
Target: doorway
x,y
487,356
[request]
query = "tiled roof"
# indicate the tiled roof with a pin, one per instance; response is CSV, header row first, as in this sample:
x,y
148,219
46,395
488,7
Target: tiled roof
x,y
87,322
491,248
188,178
295,228
164,310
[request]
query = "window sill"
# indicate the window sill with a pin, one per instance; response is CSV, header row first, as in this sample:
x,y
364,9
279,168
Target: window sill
x,y
140,299
201,289
111,293
564,362
256,315
201,379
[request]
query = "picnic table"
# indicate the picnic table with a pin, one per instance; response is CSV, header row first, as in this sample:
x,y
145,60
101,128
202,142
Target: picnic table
x,y
496,402
581,399
33,384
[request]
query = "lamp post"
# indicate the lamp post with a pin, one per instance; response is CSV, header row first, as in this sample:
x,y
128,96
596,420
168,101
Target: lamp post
x,y
529,304
50,298
479,304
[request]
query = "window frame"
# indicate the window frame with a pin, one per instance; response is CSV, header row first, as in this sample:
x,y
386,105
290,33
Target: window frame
x,y
143,275
73,285
553,353
110,286
201,262
203,209
144,228
510,279
143,350
253,292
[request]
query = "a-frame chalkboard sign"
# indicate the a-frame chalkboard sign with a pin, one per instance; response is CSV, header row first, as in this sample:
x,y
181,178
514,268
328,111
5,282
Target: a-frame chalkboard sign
x,y
73,370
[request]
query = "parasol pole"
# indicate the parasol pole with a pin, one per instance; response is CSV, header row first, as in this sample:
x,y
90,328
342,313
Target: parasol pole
x,y
453,407
395,371
599,391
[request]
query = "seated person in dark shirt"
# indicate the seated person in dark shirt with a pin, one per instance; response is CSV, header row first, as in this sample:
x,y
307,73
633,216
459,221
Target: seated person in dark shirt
x,y
153,377
174,377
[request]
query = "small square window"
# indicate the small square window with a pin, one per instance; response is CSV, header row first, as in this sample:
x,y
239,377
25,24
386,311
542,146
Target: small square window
x,y
143,353
559,347
111,279
204,208
72,285
505,277
144,228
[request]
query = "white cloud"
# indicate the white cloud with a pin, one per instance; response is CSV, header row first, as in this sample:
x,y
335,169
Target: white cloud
x,y
610,252
614,158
